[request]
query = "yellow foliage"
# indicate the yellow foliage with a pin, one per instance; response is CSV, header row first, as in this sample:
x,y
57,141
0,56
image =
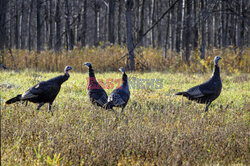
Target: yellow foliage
x,y
110,58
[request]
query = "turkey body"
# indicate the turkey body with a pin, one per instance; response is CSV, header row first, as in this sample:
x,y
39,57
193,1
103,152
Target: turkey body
x,y
119,97
43,92
207,92
95,92
97,96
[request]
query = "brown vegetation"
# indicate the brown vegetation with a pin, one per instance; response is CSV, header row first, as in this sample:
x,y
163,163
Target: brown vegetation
x,y
113,57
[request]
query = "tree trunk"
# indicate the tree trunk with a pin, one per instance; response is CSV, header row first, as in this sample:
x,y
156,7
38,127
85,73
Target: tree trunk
x,y
119,21
223,32
182,39
3,5
170,31
141,23
242,27
45,29
195,27
51,24
178,26
58,26
159,26
187,31
111,21
130,61
152,37
39,26
30,45
202,47
16,25
68,26
11,13
97,22
210,32
105,24
84,24
23,26
167,36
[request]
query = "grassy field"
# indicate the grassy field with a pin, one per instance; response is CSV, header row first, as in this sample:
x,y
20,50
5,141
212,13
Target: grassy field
x,y
157,127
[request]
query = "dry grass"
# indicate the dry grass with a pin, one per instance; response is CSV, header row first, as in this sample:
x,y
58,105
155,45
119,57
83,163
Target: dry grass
x,y
156,129
147,59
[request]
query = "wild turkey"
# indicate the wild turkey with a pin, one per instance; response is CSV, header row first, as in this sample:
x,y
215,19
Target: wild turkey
x,y
207,92
120,96
43,92
96,93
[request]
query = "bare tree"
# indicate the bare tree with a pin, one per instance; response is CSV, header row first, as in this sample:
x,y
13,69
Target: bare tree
x,y
16,24
111,21
84,23
187,31
39,25
194,25
179,26
3,4
158,5
23,25
68,25
202,46
131,61
152,20
58,26
97,22
119,21
141,20
168,35
30,45
51,24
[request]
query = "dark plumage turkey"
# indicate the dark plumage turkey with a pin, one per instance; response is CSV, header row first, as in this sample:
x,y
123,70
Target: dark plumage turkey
x,y
207,92
43,92
120,96
96,93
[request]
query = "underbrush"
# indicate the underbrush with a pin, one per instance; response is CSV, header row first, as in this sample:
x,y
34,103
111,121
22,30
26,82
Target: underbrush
x,y
113,57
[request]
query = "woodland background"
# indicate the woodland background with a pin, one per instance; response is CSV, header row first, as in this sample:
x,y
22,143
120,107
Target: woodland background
x,y
166,26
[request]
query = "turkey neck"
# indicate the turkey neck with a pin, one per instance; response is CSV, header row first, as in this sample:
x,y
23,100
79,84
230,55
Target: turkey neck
x,y
91,74
216,73
61,79
65,77
125,80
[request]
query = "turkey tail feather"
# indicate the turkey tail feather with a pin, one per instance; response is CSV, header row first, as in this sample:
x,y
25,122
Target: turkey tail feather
x,y
179,93
14,99
185,94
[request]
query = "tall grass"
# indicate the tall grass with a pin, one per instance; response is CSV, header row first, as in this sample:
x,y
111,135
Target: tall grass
x,y
112,57
157,128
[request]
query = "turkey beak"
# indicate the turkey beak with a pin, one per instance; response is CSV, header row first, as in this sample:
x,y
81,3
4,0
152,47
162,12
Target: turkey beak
x,y
122,70
69,68
86,64
219,59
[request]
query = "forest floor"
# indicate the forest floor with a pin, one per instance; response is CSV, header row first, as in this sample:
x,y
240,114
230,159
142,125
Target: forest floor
x,y
156,128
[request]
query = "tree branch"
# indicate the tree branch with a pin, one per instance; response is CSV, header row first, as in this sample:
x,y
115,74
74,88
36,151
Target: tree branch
x,y
146,32
156,22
